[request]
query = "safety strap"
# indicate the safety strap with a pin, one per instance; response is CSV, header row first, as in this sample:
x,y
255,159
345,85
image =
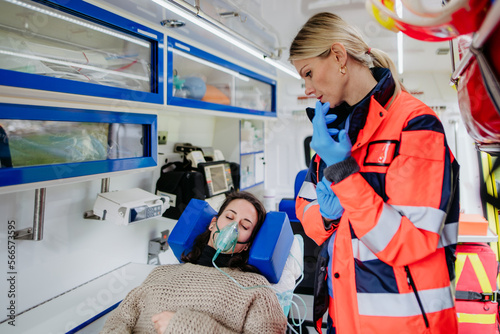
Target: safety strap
x,y
477,296
486,295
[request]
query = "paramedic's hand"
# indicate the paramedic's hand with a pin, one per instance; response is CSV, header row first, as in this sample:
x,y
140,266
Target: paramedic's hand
x,y
329,203
161,321
323,109
328,149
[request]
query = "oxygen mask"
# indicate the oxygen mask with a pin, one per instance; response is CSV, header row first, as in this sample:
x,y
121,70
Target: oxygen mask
x,y
227,238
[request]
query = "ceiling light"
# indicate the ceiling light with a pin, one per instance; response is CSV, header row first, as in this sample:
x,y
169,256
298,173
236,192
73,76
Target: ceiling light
x,y
399,38
81,23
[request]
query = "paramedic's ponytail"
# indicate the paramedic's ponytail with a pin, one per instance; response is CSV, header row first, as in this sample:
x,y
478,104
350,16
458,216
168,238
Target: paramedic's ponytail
x,y
322,30
381,59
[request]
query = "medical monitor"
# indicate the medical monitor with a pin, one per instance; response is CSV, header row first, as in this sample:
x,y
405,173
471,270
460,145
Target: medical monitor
x,y
217,176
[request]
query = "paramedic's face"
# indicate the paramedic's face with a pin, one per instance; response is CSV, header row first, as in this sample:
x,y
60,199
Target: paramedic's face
x,y
322,78
242,212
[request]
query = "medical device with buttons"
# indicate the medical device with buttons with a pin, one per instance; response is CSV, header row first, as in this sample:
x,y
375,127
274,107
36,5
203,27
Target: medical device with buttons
x,y
128,206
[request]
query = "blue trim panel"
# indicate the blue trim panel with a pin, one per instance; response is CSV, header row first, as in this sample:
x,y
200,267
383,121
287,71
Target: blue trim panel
x,y
253,185
190,103
375,276
29,174
94,318
100,16
249,153
425,122
198,104
46,113
447,188
377,181
36,81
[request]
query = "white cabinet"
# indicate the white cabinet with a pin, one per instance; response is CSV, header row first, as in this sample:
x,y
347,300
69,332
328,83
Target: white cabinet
x,y
252,161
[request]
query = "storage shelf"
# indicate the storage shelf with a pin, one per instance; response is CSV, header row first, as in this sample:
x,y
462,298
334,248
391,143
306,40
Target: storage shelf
x,y
489,237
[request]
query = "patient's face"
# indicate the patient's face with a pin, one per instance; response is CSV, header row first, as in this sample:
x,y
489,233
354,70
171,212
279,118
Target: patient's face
x,y
242,212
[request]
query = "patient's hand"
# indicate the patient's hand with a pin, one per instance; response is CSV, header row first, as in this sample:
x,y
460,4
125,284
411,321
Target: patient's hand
x,y
161,321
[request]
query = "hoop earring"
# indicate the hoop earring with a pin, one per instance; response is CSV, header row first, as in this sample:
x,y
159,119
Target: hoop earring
x,y
343,69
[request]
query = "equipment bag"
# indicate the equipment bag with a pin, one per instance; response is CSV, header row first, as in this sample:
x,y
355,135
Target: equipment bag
x,y
235,174
476,272
479,92
180,186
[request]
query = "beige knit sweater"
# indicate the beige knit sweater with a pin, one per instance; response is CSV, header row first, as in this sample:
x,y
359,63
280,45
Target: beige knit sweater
x,y
205,301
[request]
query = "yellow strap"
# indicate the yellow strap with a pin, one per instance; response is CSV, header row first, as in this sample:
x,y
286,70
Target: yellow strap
x,y
459,265
483,319
478,267
480,273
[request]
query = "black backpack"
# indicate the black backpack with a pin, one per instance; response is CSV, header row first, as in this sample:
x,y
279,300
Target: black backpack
x,y
181,185
235,175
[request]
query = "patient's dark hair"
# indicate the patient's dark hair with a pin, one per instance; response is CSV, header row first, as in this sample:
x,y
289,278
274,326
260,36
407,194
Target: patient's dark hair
x,y
238,260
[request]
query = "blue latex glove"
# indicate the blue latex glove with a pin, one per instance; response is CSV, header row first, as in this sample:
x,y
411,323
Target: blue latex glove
x,y
329,119
328,149
329,203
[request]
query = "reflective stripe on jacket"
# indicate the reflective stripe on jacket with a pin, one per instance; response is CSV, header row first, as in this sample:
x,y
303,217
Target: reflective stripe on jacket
x,y
395,244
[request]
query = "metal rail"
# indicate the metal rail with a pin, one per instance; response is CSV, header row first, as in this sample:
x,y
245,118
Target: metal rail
x,y
35,233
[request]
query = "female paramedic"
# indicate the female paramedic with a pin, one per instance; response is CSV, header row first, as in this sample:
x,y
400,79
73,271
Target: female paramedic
x,y
195,297
381,194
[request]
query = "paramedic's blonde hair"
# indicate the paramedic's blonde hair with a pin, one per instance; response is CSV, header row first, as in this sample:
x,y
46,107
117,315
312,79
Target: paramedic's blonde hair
x,y
323,29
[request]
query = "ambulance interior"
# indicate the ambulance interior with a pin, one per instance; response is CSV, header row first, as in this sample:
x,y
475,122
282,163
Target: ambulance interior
x,y
102,100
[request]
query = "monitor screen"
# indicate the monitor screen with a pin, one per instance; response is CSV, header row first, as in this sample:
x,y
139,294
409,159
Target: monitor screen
x,y
218,177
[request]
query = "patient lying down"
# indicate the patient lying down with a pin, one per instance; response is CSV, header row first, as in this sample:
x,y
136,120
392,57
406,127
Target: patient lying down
x,y
195,297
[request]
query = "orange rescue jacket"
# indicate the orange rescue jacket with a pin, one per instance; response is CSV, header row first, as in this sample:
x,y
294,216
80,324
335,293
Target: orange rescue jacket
x,y
393,252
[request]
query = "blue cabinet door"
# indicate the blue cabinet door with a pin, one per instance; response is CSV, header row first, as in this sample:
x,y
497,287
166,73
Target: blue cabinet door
x,y
198,79
78,48
39,143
